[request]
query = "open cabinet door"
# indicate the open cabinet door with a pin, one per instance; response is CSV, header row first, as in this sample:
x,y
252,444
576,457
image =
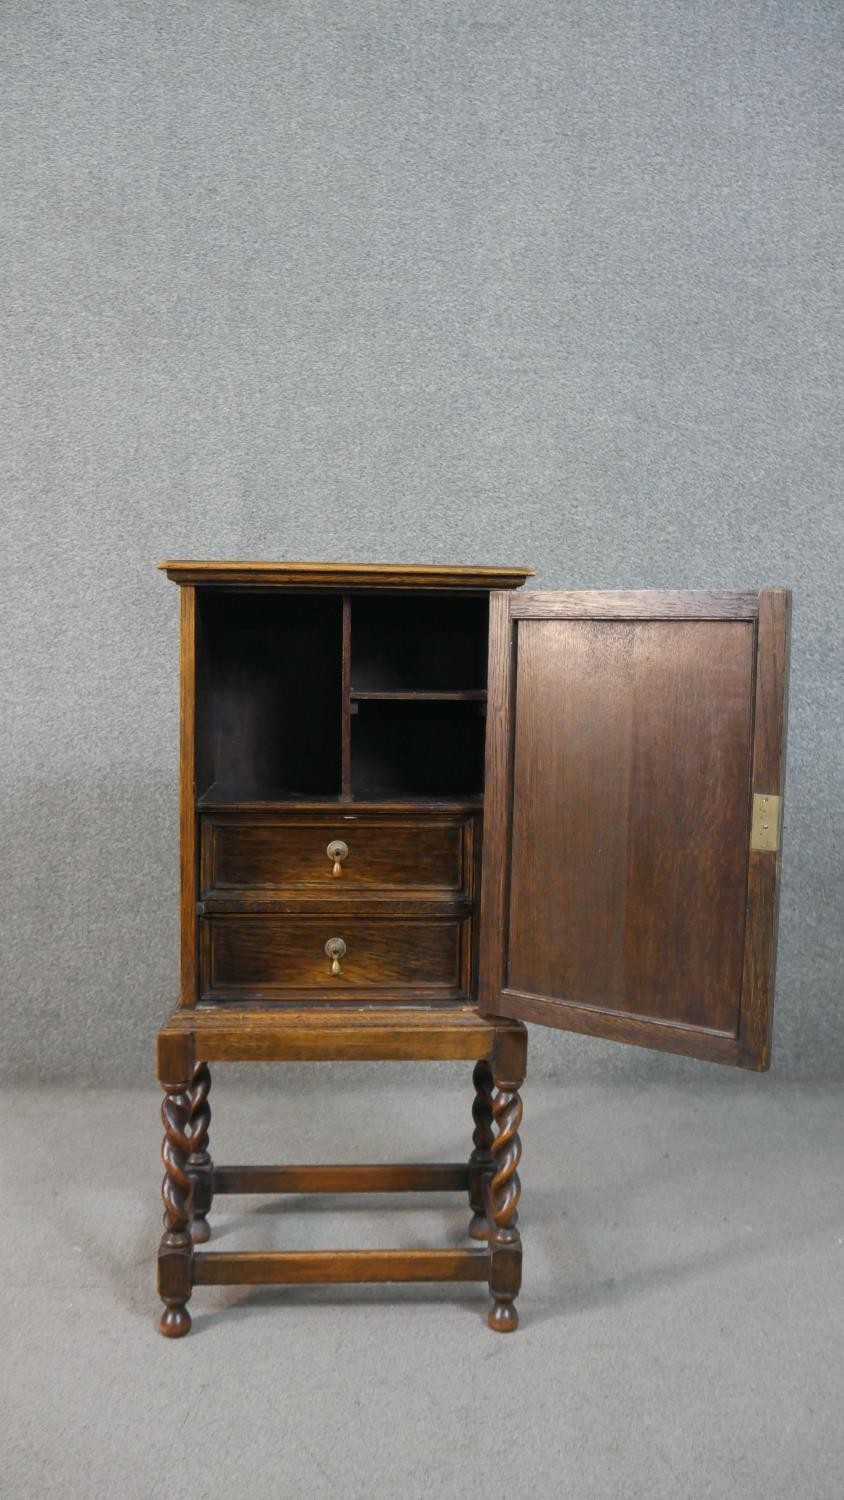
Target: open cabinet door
x,y
632,816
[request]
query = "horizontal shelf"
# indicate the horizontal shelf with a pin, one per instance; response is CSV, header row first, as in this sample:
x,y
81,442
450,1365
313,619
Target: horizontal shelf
x,y
234,794
270,799
415,695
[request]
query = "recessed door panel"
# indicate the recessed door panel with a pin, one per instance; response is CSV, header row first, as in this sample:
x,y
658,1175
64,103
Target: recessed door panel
x,y
626,740
630,815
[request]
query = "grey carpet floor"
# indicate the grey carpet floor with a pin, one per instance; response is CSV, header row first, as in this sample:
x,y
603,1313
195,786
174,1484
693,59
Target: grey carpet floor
x,y
682,1313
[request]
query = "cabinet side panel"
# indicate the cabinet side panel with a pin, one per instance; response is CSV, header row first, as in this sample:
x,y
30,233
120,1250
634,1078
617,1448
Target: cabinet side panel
x,y
497,800
630,808
187,794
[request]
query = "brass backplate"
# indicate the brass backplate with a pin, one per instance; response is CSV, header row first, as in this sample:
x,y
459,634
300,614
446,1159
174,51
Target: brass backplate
x,y
767,816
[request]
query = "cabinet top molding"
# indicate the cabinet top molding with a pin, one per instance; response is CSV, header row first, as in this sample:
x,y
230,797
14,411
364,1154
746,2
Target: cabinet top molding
x,y
343,575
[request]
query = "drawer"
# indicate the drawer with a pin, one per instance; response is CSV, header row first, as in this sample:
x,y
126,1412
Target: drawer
x,y
277,957
242,852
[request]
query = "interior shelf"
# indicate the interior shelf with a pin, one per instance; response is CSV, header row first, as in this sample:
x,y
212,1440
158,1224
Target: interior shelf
x,y
270,798
418,695
250,793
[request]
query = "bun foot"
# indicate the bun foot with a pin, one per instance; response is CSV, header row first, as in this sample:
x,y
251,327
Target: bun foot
x,y
502,1317
175,1322
478,1227
200,1230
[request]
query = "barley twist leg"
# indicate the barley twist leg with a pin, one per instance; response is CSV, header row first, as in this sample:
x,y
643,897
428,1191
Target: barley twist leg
x,y
502,1197
480,1162
200,1165
175,1255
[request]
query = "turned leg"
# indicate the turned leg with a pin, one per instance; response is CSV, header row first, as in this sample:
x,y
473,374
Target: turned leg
x,y
175,1254
200,1165
480,1162
501,1195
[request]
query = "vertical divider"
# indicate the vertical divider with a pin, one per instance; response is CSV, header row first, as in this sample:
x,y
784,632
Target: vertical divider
x,y
346,706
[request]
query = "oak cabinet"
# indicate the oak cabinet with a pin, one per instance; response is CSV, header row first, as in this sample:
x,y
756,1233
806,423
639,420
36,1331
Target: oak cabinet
x,y
428,791
608,745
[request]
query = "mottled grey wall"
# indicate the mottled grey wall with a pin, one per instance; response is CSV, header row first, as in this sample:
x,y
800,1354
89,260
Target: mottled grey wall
x,y
425,280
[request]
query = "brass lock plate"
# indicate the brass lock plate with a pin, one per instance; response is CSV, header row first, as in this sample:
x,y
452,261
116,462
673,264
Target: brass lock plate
x,y
767,818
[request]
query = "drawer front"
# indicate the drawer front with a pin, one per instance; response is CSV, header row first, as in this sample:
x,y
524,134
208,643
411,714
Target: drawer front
x,y
275,957
261,853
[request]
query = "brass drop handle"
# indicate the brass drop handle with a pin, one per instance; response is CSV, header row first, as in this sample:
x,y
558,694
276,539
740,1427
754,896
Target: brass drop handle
x,y
335,949
337,851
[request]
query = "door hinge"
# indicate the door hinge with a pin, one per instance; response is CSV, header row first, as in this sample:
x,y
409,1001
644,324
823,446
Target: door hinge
x,y
200,908
767,818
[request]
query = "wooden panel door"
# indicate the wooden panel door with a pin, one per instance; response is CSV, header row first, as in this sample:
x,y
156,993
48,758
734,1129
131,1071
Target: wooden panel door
x,y
630,864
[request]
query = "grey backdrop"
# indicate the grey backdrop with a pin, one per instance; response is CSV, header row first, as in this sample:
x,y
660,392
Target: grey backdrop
x,y
437,280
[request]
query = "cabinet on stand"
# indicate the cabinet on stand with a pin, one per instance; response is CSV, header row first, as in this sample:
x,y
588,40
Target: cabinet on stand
x,y
420,807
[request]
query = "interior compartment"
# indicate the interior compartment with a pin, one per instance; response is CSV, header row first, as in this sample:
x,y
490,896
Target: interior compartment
x,y
273,697
425,642
269,693
417,748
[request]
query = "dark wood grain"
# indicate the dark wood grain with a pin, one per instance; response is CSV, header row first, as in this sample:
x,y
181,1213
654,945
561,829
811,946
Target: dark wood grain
x,y
637,604
293,1267
283,754
769,746
268,1033
501,1192
338,1033
480,1162
630,816
626,732
342,575
268,956
614,1026
436,1177
498,782
501,1189
619,760
188,856
200,1165
423,853
175,1252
